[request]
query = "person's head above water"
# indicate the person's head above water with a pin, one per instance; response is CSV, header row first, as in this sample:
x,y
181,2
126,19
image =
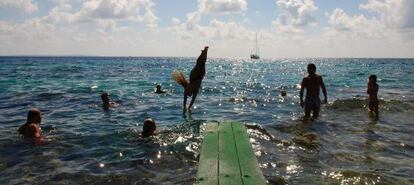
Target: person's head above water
x,y
373,78
148,128
34,116
31,129
311,68
105,97
158,89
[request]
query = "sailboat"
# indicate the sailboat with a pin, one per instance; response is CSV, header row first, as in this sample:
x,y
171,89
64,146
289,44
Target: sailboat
x,y
255,53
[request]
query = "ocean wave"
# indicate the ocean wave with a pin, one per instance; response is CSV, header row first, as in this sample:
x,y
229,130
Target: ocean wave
x,y
361,103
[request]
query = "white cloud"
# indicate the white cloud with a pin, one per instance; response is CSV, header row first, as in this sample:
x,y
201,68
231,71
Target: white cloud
x,y
393,13
229,30
27,6
394,19
29,30
342,22
222,6
141,11
379,34
295,15
191,28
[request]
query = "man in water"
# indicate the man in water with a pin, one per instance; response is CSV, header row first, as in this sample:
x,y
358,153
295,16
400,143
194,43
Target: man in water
x,y
312,83
31,129
372,91
196,77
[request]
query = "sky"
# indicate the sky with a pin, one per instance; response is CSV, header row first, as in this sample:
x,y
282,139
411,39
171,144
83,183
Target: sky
x,y
285,28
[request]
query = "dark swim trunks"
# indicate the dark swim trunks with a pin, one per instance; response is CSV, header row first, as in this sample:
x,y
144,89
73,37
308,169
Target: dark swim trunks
x,y
312,104
373,103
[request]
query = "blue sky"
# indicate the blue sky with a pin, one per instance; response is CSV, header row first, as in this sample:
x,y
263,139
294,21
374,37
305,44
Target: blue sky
x,y
286,28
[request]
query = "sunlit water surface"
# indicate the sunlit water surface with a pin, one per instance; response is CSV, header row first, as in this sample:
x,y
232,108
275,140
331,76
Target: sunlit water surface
x,y
85,144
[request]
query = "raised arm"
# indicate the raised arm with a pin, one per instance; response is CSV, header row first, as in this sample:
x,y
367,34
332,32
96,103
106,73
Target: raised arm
x,y
325,100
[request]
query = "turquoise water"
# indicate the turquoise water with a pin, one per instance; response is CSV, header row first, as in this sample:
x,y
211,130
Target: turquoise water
x,y
85,144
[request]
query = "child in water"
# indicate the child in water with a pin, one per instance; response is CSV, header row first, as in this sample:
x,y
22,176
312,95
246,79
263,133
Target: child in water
x,y
31,129
106,102
149,127
372,91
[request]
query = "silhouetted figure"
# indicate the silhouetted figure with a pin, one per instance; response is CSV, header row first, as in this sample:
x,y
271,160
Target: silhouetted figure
x,y
283,93
196,77
31,129
312,83
158,89
149,127
372,91
106,102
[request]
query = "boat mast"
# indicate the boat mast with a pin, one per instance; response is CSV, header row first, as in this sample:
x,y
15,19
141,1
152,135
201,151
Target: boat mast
x,y
257,47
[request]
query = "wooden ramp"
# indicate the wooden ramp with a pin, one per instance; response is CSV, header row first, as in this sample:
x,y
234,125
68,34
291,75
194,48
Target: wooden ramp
x,y
227,156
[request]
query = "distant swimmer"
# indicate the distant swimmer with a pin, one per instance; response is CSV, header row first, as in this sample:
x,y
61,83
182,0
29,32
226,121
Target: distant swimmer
x,y
372,91
106,102
283,92
312,83
158,89
31,129
149,127
196,77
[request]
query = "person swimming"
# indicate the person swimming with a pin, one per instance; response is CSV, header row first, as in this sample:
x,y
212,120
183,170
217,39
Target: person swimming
x,y
312,83
149,127
31,129
196,77
158,89
372,91
106,102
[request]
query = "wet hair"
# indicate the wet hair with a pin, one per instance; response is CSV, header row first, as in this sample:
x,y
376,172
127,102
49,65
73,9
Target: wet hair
x,y
311,68
33,116
373,78
103,95
148,128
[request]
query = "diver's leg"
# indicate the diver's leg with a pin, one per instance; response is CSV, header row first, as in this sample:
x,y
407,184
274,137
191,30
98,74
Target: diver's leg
x,y
184,103
192,100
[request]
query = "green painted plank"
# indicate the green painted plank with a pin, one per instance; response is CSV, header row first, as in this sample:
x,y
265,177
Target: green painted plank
x,y
251,172
229,169
208,164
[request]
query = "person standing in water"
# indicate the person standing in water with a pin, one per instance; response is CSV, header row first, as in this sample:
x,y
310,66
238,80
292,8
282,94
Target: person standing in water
x,y
196,77
372,91
312,83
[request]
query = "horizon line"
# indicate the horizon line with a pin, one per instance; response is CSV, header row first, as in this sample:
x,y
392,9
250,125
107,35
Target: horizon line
x,y
148,56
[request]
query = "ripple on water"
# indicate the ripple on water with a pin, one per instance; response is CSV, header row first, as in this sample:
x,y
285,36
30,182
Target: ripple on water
x,y
86,145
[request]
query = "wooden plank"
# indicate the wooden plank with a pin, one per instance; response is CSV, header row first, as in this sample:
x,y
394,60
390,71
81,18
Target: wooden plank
x,y
208,164
250,170
229,169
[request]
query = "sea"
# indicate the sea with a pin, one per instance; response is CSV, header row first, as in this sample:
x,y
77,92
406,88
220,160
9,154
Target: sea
x,y
86,145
